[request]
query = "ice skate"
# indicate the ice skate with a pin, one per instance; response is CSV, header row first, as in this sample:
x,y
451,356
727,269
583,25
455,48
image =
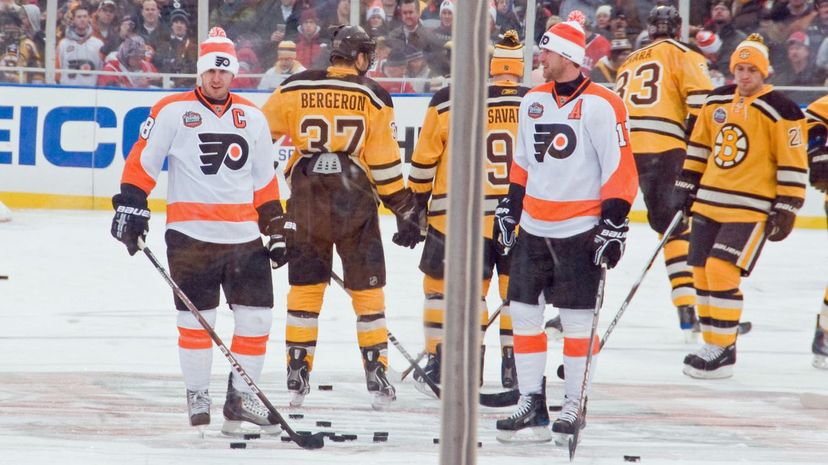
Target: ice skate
x,y
382,391
298,375
820,348
711,362
529,423
244,407
688,323
508,371
198,408
432,370
554,329
564,426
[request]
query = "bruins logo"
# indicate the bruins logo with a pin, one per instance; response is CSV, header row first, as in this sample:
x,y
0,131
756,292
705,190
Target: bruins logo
x,y
731,146
744,54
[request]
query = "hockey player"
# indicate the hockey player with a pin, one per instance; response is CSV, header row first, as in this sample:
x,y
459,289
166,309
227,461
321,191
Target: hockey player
x,y
429,179
744,180
222,196
342,125
572,183
663,86
817,118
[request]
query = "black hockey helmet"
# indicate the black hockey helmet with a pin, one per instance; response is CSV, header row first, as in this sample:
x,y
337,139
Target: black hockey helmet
x,y
349,41
664,21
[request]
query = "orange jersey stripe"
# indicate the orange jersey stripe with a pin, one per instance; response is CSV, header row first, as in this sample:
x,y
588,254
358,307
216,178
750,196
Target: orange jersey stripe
x,y
194,338
193,211
530,344
518,175
249,345
268,193
553,210
578,347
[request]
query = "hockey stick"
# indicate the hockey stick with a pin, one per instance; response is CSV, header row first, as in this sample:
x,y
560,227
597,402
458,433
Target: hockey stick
x,y
313,441
579,419
500,399
423,353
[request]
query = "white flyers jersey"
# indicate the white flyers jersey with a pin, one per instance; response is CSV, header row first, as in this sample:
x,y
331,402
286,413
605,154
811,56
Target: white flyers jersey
x,y
572,153
73,58
220,165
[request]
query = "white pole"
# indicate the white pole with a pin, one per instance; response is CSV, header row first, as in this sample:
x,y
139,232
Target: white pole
x,y
464,242
203,19
51,40
354,18
684,12
529,41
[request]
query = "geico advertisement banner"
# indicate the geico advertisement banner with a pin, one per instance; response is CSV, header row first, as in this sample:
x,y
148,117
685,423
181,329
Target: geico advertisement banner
x,y
65,147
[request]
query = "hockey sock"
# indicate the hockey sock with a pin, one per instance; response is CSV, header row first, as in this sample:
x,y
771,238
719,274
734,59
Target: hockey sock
x,y
369,306
680,274
505,313
249,345
577,325
433,312
822,321
530,346
725,300
703,302
195,349
302,329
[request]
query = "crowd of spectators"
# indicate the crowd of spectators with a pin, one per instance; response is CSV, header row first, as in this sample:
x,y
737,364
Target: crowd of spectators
x,y
276,38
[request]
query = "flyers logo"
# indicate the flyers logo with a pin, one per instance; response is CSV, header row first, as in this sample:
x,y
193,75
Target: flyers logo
x,y
556,140
217,149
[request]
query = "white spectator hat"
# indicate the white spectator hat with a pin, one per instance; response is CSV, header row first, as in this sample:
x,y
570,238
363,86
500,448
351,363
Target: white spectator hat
x,y
708,41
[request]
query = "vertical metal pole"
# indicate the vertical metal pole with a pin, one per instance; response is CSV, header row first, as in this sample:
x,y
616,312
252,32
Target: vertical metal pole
x,y
51,40
203,20
464,248
354,17
684,12
529,41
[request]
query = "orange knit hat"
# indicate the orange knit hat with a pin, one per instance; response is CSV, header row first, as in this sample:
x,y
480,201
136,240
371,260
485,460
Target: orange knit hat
x,y
752,51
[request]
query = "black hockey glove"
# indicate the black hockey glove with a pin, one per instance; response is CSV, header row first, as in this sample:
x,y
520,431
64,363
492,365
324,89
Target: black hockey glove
x,y
684,192
609,241
274,225
278,231
781,218
818,168
130,224
506,218
410,227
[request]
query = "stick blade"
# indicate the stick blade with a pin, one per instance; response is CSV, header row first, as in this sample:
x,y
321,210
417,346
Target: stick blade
x,y
314,441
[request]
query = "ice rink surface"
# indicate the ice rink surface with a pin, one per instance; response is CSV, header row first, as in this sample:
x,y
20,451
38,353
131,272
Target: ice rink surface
x,y
89,368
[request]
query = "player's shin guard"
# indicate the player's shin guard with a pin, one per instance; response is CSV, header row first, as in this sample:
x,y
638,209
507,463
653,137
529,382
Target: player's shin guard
x,y
372,335
302,328
577,325
681,279
195,349
434,309
530,346
250,335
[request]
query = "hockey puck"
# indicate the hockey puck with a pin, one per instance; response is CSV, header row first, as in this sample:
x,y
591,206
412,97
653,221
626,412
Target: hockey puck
x,y
479,444
555,408
286,439
381,433
238,445
2,276
632,458
325,387
336,438
436,440
295,416
324,424
380,438
348,437
252,436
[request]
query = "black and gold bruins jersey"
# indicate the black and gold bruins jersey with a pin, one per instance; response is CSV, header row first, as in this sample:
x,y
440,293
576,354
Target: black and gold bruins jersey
x,y
817,119
749,150
429,163
662,85
337,111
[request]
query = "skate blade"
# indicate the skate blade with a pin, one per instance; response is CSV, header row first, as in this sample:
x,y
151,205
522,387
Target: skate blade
x,y
719,373
381,401
424,388
236,428
532,435
820,361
